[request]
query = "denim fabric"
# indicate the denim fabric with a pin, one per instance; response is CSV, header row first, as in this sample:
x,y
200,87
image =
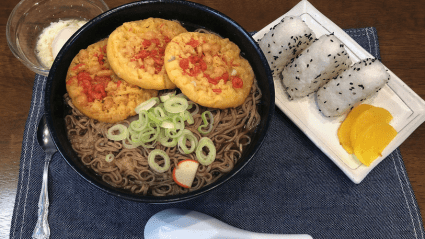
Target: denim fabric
x,y
290,187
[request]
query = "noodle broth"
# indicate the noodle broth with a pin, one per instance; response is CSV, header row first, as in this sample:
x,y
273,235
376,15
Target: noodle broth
x,y
231,133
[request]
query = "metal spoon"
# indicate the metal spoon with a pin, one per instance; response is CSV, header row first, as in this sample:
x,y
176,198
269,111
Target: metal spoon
x,y
42,229
182,223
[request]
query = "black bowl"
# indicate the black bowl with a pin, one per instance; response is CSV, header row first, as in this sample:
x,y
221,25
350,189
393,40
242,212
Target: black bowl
x,y
192,16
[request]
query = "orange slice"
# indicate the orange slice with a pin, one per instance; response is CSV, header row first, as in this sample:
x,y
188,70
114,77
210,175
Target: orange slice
x,y
367,118
344,130
371,142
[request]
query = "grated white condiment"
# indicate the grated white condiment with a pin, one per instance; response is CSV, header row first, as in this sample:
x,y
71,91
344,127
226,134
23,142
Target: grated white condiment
x,y
53,37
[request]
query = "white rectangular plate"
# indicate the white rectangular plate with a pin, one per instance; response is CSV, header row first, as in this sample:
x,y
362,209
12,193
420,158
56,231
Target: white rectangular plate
x,y
407,108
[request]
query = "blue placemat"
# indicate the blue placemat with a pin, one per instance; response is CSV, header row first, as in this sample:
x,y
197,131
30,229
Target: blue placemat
x,y
290,187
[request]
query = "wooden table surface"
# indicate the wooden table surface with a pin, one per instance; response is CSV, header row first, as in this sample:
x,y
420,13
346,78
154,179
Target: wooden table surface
x,y
401,32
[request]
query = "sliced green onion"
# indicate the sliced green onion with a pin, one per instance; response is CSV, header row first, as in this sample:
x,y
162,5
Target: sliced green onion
x,y
173,133
190,104
176,104
154,165
131,132
164,140
129,145
159,112
147,104
196,110
122,129
134,138
188,117
167,96
178,122
202,158
154,118
150,134
109,158
187,135
167,125
155,131
204,119
141,123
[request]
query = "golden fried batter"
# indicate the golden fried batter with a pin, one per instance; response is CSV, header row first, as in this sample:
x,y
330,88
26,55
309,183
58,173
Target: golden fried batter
x,y
96,90
136,51
208,69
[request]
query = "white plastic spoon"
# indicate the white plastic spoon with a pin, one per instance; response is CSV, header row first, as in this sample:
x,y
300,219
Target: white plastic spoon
x,y
180,223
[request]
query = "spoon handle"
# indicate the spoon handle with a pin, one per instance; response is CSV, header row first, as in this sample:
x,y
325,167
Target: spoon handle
x,y
42,230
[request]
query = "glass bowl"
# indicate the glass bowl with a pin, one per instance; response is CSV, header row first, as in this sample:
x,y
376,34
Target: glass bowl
x,y
30,17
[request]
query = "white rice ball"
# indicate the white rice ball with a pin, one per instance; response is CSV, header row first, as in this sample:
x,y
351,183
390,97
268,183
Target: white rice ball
x,y
323,60
285,41
354,85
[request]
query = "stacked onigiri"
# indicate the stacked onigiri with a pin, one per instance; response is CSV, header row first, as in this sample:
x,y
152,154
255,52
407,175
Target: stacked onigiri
x,y
323,60
308,65
284,41
354,85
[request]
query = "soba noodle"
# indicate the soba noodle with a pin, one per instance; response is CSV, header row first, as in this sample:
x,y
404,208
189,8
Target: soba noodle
x,y
130,170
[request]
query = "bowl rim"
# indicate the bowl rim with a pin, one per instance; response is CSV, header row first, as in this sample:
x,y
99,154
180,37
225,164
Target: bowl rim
x,y
173,198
